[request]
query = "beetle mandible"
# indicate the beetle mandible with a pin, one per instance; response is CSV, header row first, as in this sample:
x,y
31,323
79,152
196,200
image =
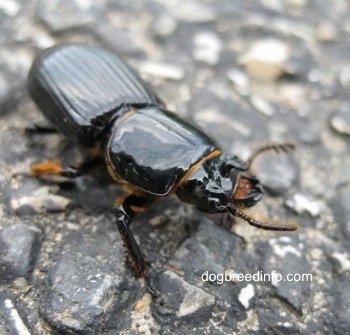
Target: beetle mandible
x,y
96,100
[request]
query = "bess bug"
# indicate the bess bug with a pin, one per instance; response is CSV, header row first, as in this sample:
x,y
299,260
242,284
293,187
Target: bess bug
x,y
96,100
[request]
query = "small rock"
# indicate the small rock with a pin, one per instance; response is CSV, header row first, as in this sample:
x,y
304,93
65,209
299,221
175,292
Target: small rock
x,y
85,286
162,70
281,251
275,5
301,204
326,32
65,14
141,316
240,81
277,172
10,7
19,248
344,76
185,302
210,253
14,320
342,210
266,59
308,134
207,47
6,93
164,25
262,105
191,11
341,303
246,294
115,38
343,260
39,200
297,3
340,122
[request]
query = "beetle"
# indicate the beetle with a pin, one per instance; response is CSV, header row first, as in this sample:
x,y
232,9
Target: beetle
x,y
97,100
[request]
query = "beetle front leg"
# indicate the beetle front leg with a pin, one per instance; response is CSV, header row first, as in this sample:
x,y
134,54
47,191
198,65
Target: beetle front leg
x,y
125,213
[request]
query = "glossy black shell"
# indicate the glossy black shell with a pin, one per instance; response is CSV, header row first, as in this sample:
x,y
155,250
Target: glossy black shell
x,y
93,97
80,88
152,149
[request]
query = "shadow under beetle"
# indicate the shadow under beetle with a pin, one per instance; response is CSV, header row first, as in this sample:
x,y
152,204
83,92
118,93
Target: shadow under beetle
x,y
96,100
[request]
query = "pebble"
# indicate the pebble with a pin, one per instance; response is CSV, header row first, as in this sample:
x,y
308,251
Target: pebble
x,y
343,260
340,122
10,7
277,172
20,244
191,11
343,200
240,81
164,25
116,38
301,204
207,47
262,105
266,59
66,14
344,76
163,70
17,323
326,32
6,93
85,283
189,304
287,250
275,5
40,200
246,294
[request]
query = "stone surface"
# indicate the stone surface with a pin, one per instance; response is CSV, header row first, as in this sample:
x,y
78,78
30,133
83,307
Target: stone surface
x,y
63,14
20,244
288,282
341,122
62,266
266,59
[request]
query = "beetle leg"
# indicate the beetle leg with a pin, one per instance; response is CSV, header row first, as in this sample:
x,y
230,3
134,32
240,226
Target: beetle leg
x,y
125,213
54,168
277,147
40,128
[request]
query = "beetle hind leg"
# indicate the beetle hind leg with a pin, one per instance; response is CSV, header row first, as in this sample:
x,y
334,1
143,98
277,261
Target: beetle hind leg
x,y
54,168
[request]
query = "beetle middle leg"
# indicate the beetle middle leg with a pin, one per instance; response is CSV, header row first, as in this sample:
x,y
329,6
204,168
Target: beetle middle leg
x,y
125,213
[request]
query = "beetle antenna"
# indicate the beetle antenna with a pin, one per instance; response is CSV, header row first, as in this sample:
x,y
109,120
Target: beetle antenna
x,y
262,225
277,147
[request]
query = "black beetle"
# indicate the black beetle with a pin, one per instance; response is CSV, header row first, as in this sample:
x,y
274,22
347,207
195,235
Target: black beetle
x,y
95,99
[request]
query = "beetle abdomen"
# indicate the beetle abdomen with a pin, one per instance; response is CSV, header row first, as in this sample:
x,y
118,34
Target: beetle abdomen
x,y
152,149
80,89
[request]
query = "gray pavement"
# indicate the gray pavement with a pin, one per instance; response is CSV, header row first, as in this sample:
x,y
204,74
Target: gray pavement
x,y
248,72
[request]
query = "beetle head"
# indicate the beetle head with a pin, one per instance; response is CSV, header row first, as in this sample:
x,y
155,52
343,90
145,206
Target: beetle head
x,y
222,185
242,190
219,184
